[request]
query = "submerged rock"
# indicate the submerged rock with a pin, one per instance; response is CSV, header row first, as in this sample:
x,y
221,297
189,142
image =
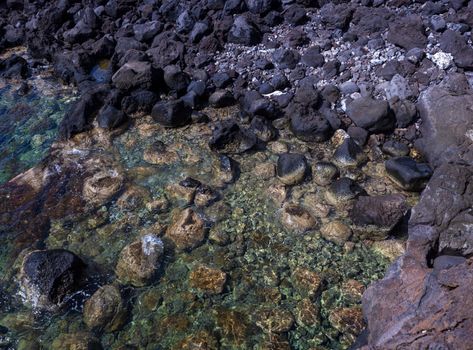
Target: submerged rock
x,y
172,114
349,153
292,168
158,154
76,341
342,191
207,280
307,282
187,230
48,276
102,186
277,320
230,138
324,173
140,261
105,309
336,232
295,217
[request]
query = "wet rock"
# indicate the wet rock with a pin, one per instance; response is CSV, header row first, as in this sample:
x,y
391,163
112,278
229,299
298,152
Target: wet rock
x,y
349,154
348,320
295,217
105,309
277,320
187,230
158,154
376,216
286,58
140,101
134,75
306,313
342,191
336,232
221,98
14,67
140,261
183,192
110,117
205,196
407,173
292,168
265,171
207,280
446,139
76,341
263,129
171,114
48,276
307,283
456,44
352,290
311,128
244,32
202,340
102,186
175,78
359,135
225,169
395,149
390,249
229,137
324,173
407,32
372,115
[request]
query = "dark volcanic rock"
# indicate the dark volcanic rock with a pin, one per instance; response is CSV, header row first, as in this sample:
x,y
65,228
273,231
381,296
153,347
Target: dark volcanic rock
x,y
407,173
230,138
407,32
171,113
221,98
311,128
404,110
14,67
313,58
244,32
456,44
415,299
110,117
372,115
141,101
286,58
349,153
48,276
134,75
292,168
175,78
447,124
376,216
263,129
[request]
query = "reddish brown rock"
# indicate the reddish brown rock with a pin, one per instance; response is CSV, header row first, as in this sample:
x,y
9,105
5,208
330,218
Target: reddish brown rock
x,y
187,230
207,279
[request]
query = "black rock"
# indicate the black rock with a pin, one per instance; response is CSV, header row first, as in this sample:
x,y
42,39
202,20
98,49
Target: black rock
x,y
324,173
407,173
263,129
263,107
404,110
221,80
145,32
175,78
407,32
110,117
134,75
456,44
359,135
141,101
199,30
343,190
349,153
14,67
221,98
292,168
185,22
313,58
171,113
336,16
125,44
286,58
244,32
280,82
295,15
166,51
395,149
230,138
372,115
48,276
259,6
311,128
197,86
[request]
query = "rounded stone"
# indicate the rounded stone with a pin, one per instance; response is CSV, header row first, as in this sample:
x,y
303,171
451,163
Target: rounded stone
x,y
291,168
76,341
102,186
297,218
187,230
342,191
324,173
158,154
105,309
336,232
139,261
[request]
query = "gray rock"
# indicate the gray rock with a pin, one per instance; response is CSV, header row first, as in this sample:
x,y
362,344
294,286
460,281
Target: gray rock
x,y
134,75
243,32
372,115
407,173
407,32
456,44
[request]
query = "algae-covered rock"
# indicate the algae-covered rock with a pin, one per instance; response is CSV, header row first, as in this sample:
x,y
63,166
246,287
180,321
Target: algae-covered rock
x,y
139,261
306,282
208,280
336,232
187,230
105,309
102,186
297,218
275,320
76,341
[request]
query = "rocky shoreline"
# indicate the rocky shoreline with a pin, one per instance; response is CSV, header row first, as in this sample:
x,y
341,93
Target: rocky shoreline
x,y
315,99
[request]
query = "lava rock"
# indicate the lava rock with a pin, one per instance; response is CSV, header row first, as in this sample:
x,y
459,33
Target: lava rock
x,y
286,58
376,216
324,173
171,114
311,128
395,149
263,129
359,135
110,117
134,75
313,58
47,277
292,168
140,261
404,110
140,101
456,44
176,79
407,173
295,15
349,153
145,32
407,32
244,32
230,138
105,309
372,115
342,191
14,67
221,98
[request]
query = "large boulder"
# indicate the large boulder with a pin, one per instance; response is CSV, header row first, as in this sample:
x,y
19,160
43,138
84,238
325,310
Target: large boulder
x,y
372,115
135,74
47,277
429,290
407,32
447,125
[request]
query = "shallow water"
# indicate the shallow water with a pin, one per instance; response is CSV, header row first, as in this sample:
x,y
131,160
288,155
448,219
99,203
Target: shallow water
x,y
262,305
